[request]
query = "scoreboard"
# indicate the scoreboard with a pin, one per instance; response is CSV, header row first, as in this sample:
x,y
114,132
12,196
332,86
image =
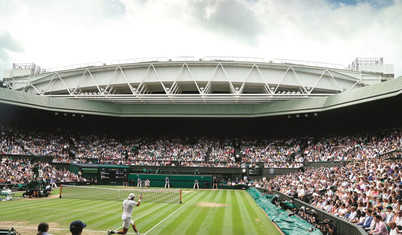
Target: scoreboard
x,y
112,174
255,171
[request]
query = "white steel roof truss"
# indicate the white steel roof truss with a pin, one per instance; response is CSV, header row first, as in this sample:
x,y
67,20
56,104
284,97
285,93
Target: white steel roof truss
x,y
175,87
346,75
160,81
50,82
80,81
230,81
125,77
266,88
350,88
280,81
196,84
94,80
191,75
299,80
244,82
111,80
114,75
141,88
336,83
316,82
208,86
30,84
62,81
163,85
24,89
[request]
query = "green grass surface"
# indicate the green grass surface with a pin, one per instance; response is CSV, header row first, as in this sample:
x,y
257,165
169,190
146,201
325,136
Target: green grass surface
x,y
202,212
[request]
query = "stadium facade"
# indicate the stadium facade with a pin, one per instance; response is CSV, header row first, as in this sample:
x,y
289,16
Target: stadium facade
x,y
206,87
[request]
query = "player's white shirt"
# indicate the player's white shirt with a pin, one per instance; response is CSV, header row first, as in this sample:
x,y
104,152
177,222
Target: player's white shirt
x,y
128,207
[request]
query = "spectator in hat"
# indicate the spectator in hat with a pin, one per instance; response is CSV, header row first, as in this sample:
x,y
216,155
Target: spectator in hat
x,y
76,227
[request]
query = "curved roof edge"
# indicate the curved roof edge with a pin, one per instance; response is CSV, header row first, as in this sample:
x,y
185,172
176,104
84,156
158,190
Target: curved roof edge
x,y
366,94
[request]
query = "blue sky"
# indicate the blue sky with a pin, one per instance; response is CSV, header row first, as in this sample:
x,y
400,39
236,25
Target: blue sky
x,y
375,3
59,33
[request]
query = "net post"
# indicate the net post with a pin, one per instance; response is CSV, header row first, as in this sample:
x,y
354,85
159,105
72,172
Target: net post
x,y
181,197
61,187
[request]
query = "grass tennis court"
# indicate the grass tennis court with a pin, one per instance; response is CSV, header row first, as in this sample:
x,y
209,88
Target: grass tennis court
x,y
202,212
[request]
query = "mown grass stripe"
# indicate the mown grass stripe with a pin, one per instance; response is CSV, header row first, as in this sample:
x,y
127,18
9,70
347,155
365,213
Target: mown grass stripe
x,y
218,219
103,220
149,221
103,215
199,216
263,222
249,218
171,214
25,204
43,209
207,215
83,215
178,220
237,221
195,215
75,214
150,209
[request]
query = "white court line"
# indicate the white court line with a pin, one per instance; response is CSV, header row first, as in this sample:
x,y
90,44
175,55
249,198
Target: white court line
x,y
172,214
64,229
145,214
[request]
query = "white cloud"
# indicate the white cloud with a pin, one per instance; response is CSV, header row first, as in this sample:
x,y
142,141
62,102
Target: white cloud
x,y
61,32
8,46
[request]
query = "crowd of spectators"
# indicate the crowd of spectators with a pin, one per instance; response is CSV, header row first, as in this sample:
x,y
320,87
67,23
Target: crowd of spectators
x,y
32,143
351,147
22,171
196,151
357,192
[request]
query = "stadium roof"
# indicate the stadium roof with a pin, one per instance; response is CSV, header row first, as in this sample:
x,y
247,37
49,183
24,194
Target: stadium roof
x,y
366,94
191,81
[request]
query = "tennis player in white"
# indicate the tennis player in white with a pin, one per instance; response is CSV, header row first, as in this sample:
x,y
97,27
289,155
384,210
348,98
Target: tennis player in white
x,y
128,207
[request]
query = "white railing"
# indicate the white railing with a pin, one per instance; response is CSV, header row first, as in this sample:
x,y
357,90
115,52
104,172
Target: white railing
x,y
75,66
309,63
192,58
235,58
140,60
